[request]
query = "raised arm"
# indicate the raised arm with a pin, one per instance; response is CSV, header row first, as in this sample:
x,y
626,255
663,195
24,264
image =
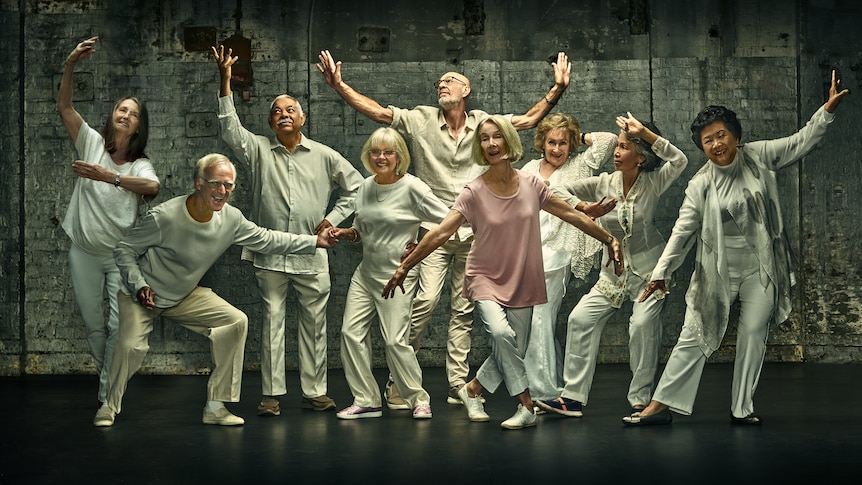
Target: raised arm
x,y
432,240
834,94
71,119
633,127
562,72
224,61
332,73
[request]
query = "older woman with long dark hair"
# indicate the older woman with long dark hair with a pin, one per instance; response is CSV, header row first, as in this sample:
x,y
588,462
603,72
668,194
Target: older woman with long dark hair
x,y
113,178
731,209
504,274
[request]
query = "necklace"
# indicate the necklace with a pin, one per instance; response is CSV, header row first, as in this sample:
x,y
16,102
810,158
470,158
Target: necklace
x,y
385,194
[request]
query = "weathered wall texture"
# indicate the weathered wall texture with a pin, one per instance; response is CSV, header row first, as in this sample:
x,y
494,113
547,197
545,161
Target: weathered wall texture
x,y
663,60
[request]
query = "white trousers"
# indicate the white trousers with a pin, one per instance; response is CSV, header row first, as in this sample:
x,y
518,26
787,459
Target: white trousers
x,y
587,323
509,335
363,303
432,274
202,312
678,385
312,292
544,357
94,278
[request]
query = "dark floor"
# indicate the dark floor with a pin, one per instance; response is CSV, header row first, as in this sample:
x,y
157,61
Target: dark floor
x,y
812,432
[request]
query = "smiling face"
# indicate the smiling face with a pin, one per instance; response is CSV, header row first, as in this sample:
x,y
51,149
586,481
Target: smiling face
x,y
718,143
126,117
384,161
494,147
557,146
285,117
213,189
626,157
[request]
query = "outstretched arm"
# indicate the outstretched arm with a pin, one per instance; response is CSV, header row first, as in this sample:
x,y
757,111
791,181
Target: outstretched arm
x,y
562,72
332,73
433,240
70,117
558,207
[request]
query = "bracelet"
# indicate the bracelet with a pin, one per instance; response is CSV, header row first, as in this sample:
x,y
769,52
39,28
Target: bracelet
x,y
355,235
552,103
610,239
583,138
117,180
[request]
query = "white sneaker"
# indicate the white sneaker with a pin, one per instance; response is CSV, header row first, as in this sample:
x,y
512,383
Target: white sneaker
x,y
522,418
104,417
475,409
222,417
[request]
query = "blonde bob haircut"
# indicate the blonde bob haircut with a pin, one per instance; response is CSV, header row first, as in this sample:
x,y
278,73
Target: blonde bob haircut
x,y
558,121
514,151
211,160
389,139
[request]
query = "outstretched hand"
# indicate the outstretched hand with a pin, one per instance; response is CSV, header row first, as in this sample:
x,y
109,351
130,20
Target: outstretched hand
x,y
834,94
224,61
331,70
600,208
562,70
83,50
615,252
325,240
630,125
397,281
654,285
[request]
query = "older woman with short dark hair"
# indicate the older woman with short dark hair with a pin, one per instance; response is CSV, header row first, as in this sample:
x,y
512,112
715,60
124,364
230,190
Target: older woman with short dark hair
x,y
731,209
636,185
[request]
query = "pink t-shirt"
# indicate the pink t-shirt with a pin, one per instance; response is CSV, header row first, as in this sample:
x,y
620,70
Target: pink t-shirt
x,y
505,260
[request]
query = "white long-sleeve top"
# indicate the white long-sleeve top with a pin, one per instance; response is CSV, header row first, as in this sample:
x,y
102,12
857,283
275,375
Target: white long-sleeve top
x,y
632,220
388,218
756,212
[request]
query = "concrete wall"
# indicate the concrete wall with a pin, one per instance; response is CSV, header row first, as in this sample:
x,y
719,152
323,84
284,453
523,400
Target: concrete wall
x,y
766,59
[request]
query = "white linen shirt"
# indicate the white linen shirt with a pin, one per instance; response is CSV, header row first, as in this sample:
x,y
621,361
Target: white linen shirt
x,y
631,221
438,159
290,191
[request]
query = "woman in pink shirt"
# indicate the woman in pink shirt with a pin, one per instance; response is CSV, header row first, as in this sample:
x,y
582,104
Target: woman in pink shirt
x,y
504,274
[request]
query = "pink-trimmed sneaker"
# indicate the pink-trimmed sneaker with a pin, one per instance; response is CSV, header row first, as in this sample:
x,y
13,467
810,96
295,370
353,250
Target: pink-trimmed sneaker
x,y
422,411
359,412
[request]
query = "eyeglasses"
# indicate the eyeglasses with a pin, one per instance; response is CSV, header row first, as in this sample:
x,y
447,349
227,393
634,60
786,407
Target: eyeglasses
x,y
215,184
447,81
386,153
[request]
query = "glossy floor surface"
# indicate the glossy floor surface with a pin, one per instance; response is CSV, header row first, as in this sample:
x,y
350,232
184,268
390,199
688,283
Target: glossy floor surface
x,y
812,434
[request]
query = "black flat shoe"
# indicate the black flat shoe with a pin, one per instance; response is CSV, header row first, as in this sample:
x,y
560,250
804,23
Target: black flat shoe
x,y
662,417
750,420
